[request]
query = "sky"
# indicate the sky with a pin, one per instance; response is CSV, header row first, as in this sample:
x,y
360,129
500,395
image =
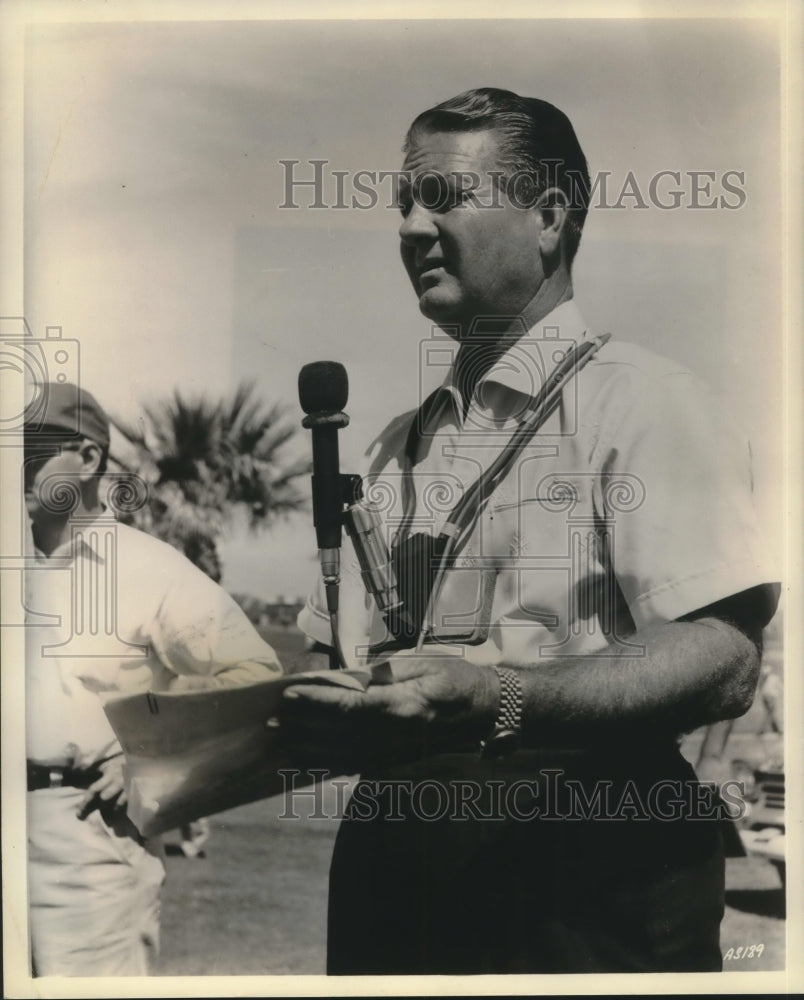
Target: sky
x,y
155,236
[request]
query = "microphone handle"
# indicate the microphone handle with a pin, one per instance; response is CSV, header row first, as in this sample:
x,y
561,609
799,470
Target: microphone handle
x,y
327,492
327,502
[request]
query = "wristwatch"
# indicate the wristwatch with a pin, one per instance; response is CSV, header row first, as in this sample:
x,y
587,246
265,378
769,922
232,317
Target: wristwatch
x,y
504,737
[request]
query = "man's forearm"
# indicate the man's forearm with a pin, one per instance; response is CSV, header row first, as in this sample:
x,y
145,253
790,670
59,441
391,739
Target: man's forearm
x,y
236,675
691,673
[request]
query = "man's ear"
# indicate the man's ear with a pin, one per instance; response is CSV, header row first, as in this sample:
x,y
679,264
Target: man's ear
x,y
91,457
552,205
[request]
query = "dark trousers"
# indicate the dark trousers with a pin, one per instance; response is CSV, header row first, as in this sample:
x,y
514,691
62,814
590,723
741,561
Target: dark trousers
x,y
413,891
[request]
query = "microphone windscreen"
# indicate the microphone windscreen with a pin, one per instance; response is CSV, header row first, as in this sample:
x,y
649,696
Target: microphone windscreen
x,y
323,387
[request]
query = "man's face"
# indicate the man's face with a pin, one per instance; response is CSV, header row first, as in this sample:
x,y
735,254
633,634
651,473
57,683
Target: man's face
x,y
472,253
51,477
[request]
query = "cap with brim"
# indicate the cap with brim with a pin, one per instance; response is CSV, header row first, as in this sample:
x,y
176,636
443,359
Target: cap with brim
x,y
64,407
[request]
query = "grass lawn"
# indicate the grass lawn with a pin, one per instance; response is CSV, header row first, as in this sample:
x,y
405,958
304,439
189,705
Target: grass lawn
x,y
256,904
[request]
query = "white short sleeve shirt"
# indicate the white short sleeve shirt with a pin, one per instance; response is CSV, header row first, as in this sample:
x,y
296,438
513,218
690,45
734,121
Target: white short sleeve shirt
x,y
114,612
632,505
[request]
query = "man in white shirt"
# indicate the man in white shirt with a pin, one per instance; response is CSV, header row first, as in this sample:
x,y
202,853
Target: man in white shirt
x,y
110,611
609,596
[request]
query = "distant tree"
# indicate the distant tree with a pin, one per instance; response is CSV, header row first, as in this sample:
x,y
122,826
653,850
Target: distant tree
x,y
253,607
210,465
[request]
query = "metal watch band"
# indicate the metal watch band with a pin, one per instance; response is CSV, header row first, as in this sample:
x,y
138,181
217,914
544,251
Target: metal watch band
x,y
505,736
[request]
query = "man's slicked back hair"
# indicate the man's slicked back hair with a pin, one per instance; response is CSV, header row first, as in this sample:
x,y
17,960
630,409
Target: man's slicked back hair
x,y
538,148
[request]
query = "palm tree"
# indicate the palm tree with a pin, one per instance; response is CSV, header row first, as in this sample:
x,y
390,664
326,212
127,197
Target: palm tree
x,y
210,465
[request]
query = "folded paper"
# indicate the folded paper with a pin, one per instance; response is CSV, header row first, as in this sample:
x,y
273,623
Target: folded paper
x,y
196,753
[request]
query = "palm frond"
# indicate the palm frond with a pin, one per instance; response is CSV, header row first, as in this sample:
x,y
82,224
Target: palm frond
x,y
212,463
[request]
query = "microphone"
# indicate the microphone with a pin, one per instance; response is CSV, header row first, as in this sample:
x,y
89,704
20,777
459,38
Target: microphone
x,y
323,392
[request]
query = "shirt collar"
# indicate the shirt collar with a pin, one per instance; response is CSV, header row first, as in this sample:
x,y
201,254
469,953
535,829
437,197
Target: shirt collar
x,y
529,361
86,538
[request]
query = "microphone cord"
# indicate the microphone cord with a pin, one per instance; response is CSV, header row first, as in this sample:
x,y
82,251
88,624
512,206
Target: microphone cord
x,y
337,661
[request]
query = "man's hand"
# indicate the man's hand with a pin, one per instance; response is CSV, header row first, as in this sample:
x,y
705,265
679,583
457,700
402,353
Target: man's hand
x,y
433,703
108,788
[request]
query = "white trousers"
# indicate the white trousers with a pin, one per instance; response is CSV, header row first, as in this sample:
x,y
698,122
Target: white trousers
x,y
93,891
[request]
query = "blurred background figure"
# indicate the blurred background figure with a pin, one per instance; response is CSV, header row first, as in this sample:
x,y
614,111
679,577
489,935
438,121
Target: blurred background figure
x,y
771,691
193,837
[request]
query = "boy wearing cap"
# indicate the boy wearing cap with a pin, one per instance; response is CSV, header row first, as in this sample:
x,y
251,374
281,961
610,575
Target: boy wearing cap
x,y
111,611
